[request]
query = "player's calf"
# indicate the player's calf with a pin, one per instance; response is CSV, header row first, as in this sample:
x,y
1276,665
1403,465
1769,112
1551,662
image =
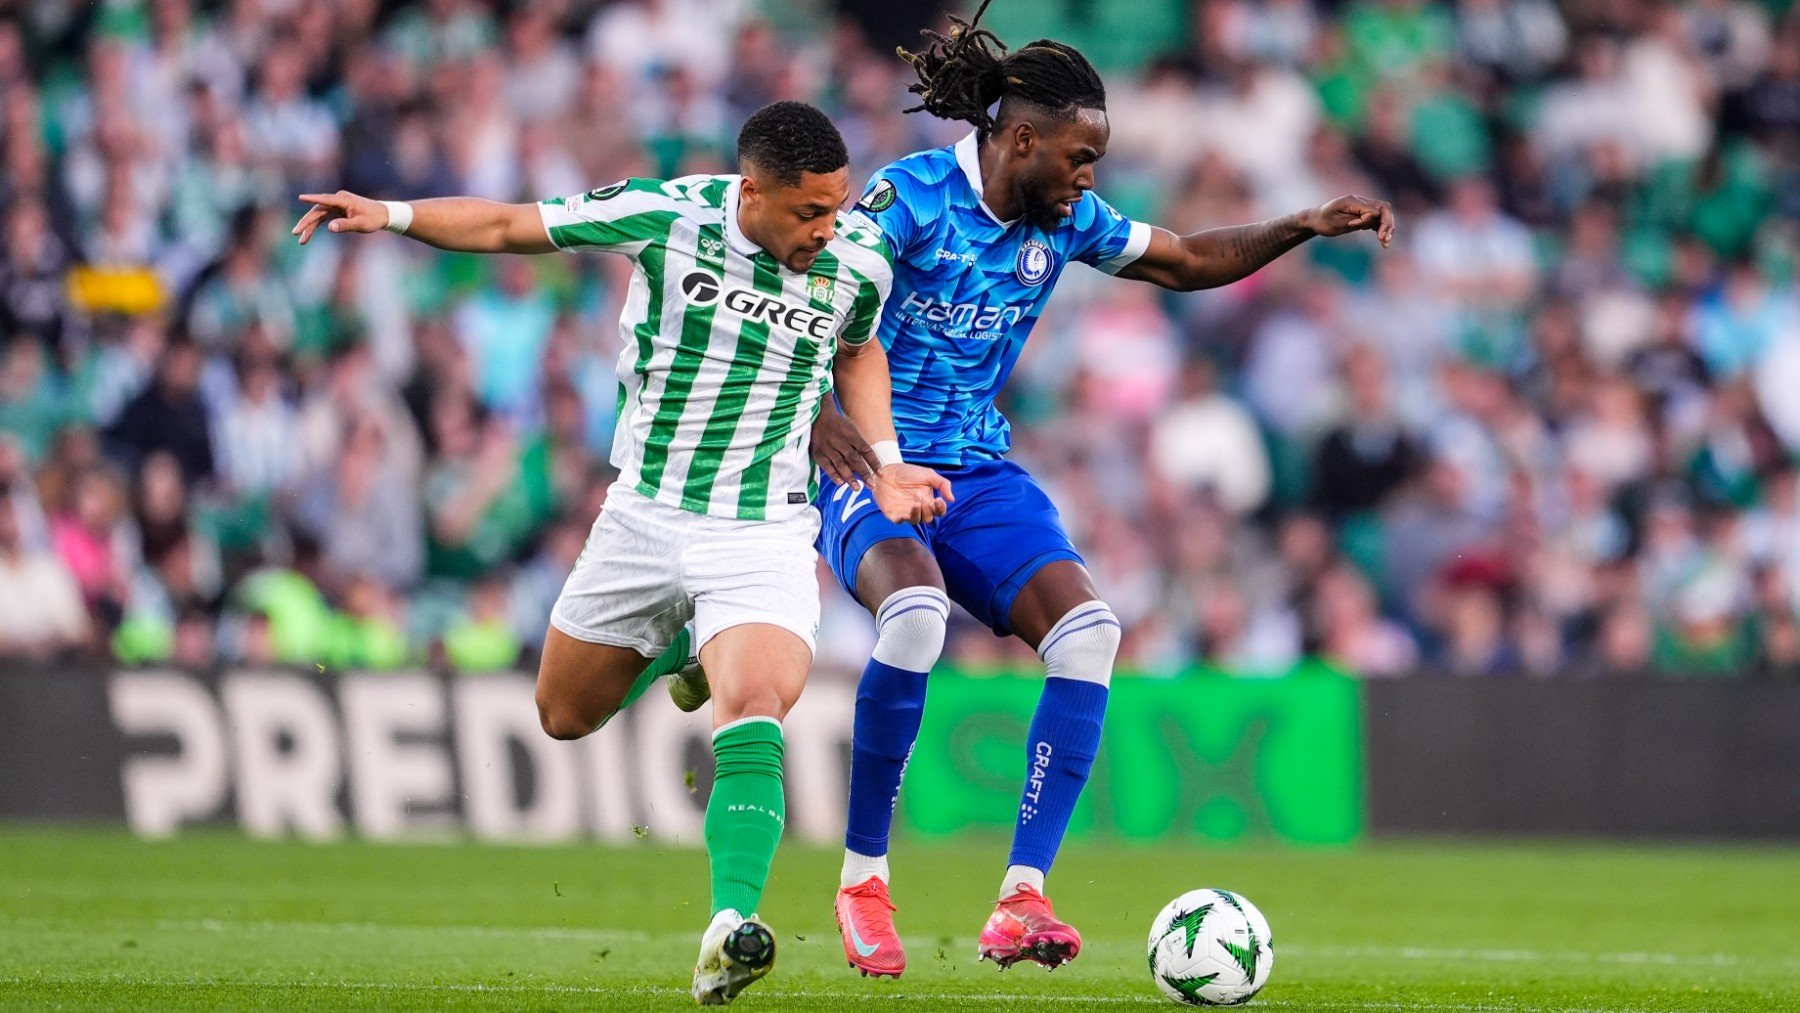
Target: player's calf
x,y
581,684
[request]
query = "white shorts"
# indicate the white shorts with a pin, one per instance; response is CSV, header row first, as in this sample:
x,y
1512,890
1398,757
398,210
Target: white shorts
x,y
649,567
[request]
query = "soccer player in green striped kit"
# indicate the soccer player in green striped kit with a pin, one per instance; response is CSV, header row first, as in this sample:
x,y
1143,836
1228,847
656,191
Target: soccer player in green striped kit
x,y
751,297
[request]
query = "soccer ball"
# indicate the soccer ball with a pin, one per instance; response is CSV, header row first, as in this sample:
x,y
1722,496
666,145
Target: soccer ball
x,y
1210,948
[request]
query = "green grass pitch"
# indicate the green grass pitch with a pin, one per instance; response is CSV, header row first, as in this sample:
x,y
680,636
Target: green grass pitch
x,y
94,919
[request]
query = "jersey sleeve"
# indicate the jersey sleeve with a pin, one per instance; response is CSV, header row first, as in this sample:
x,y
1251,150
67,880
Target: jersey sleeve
x,y
865,313
621,218
886,205
1105,238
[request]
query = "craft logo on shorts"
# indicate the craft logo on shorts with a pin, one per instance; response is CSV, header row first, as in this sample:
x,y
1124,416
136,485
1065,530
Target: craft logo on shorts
x,y
821,288
1034,262
880,198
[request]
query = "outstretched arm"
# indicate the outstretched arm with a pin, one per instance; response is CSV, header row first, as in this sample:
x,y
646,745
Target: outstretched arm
x,y
466,224
1221,256
906,493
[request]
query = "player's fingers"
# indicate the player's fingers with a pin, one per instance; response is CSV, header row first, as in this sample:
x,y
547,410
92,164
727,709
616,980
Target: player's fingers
x,y
846,473
852,477
833,468
1385,232
930,508
942,485
309,221
857,468
329,201
862,460
311,227
353,223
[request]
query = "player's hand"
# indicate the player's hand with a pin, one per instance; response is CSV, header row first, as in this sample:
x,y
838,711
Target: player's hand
x,y
1353,214
340,212
839,449
911,494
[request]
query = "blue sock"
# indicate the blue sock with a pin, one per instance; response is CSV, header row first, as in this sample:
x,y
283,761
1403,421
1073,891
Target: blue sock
x,y
889,702
1059,752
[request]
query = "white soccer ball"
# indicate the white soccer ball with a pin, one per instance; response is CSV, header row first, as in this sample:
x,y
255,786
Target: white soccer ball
x,y
1210,948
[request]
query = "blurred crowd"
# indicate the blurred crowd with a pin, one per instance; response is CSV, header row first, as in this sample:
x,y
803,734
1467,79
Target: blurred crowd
x,y
1553,430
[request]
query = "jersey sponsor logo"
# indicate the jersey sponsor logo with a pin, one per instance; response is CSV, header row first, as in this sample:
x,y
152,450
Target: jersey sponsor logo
x,y
972,317
701,288
1035,261
879,198
960,258
608,192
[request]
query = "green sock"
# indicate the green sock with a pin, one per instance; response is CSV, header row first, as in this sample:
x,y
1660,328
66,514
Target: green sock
x,y
745,815
669,661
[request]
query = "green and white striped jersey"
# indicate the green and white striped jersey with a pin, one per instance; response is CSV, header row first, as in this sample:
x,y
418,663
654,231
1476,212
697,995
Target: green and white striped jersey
x,y
727,353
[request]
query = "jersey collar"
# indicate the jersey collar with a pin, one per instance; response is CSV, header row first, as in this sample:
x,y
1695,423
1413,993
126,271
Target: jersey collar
x,y
968,157
734,233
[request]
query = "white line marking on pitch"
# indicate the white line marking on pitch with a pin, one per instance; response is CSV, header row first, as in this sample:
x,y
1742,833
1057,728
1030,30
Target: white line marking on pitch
x,y
777,993
1534,956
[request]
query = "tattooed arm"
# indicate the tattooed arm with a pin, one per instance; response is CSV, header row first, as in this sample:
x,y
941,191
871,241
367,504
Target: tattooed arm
x,y
1222,256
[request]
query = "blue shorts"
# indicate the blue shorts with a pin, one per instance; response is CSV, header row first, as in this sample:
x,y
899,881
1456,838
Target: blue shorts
x,y
1001,530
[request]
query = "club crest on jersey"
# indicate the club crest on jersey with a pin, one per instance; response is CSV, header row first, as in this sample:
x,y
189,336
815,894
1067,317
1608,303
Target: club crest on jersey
x,y
821,288
1034,263
880,198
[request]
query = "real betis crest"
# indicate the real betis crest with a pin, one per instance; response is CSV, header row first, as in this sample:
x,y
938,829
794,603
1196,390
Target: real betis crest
x,y
820,288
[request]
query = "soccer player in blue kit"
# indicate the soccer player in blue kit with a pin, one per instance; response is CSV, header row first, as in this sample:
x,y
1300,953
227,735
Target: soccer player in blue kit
x,y
979,233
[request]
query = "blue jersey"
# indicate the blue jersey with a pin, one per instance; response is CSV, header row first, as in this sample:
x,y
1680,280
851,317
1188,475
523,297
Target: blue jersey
x,y
967,290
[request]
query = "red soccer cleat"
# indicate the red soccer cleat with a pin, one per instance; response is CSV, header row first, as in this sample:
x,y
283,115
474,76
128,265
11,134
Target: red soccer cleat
x,y
865,917
1024,928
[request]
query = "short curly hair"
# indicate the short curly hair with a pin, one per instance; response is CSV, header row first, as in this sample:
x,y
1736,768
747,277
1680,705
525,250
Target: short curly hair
x,y
786,139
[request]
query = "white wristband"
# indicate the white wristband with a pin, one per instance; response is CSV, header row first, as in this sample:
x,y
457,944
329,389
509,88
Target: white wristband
x,y
886,452
400,215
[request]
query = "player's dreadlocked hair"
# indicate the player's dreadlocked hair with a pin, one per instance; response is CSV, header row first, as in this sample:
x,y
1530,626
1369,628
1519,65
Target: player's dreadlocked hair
x,y
785,139
964,73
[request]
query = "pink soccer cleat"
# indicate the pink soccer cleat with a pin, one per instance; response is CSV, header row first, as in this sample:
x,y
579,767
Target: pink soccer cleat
x,y
865,917
1024,928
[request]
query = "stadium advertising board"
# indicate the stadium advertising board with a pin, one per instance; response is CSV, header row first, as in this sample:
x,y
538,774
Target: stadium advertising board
x,y
1201,757
419,755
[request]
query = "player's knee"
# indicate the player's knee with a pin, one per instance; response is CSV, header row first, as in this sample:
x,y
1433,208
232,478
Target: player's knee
x,y
561,721
910,627
1083,644
750,701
